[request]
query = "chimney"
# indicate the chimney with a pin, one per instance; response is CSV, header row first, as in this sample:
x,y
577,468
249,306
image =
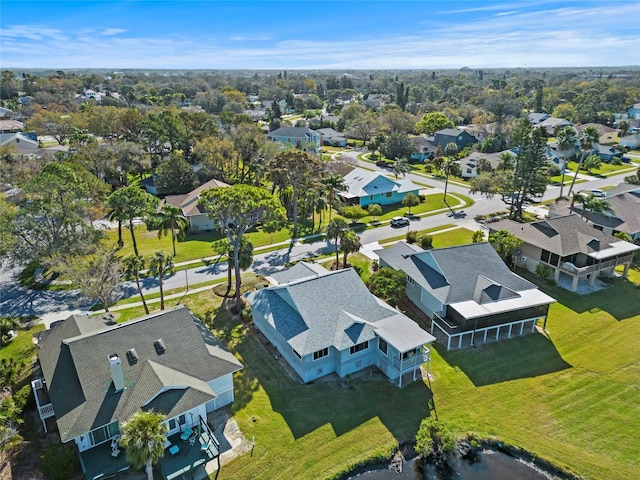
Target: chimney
x,y
116,372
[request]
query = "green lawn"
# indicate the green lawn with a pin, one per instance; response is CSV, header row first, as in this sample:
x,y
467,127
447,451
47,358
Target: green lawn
x,y
459,236
194,246
570,396
606,169
21,348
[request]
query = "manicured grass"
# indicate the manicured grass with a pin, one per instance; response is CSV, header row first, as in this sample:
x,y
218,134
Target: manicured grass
x,y
418,232
194,246
21,348
362,264
459,236
606,169
569,396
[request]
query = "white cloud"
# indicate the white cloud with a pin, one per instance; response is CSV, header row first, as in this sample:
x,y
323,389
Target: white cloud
x,y
107,32
555,37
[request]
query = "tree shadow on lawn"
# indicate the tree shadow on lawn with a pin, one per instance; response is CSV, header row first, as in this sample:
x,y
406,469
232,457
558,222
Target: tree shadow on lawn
x,y
345,404
619,300
522,357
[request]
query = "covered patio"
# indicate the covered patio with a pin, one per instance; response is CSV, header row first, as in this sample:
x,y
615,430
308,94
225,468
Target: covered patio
x,y
188,450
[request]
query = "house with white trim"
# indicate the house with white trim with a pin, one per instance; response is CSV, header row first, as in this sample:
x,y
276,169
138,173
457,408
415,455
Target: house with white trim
x,y
199,220
324,322
96,374
364,187
575,251
468,292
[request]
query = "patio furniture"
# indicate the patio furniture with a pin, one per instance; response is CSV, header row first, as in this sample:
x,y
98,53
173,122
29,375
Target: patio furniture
x,y
173,449
115,452
192,439
205,446
186,434
167,443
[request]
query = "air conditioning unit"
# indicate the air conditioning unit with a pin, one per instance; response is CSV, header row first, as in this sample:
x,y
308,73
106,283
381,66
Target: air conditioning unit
x,y
523,258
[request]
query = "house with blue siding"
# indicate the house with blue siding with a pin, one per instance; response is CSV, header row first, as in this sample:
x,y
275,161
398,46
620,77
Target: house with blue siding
x,y
302,138
324,322
364,187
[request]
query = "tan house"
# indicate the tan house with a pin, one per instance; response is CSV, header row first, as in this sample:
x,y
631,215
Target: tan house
x,y
576,252
199,221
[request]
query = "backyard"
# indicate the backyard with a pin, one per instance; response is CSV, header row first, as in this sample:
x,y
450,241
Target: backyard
x,y
569,396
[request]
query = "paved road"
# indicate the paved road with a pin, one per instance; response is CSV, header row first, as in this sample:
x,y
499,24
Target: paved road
x,y
16,300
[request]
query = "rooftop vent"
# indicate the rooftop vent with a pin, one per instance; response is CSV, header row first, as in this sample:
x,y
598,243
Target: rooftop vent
x,y
159,346
132,355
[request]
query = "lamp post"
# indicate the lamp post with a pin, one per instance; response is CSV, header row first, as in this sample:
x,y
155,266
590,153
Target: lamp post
x,y
186,277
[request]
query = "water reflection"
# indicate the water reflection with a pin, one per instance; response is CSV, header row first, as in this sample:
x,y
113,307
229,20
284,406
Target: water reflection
x,y
487,465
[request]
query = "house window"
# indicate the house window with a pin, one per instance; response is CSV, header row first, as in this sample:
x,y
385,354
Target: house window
x,y
175,423
359,347
411,281
296,353
388,194
382,345
104,433
411,353
370,197
320,353
544,256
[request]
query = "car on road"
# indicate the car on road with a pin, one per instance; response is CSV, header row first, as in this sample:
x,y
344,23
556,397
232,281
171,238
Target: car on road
x,y
594,192
399,221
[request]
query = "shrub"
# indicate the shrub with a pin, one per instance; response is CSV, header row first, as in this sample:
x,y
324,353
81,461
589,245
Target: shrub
x,y
478,236
59,462
616,161
412,236
434,440
554,171
388,284
426,242
544,271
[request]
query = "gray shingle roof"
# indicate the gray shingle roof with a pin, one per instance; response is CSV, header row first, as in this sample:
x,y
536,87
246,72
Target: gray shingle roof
x,y
456,274
332,310
563,236
298,271
363,183
73,356
625,216
293,132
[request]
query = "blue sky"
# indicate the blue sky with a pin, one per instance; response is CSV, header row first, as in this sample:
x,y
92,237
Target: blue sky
x,y
217,34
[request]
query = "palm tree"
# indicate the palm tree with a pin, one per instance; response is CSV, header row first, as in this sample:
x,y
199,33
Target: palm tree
x,y
586,139
172,219
592,205
566,144
576,197
128,203
133,265
506,161
401,167
350,243
160,265
332,184
143,438
335,230
449,167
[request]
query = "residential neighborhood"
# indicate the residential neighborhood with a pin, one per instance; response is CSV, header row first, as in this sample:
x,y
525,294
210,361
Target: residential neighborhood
x,y
288,274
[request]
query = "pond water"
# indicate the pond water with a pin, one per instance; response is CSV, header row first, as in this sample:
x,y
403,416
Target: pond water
x,y
488,465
